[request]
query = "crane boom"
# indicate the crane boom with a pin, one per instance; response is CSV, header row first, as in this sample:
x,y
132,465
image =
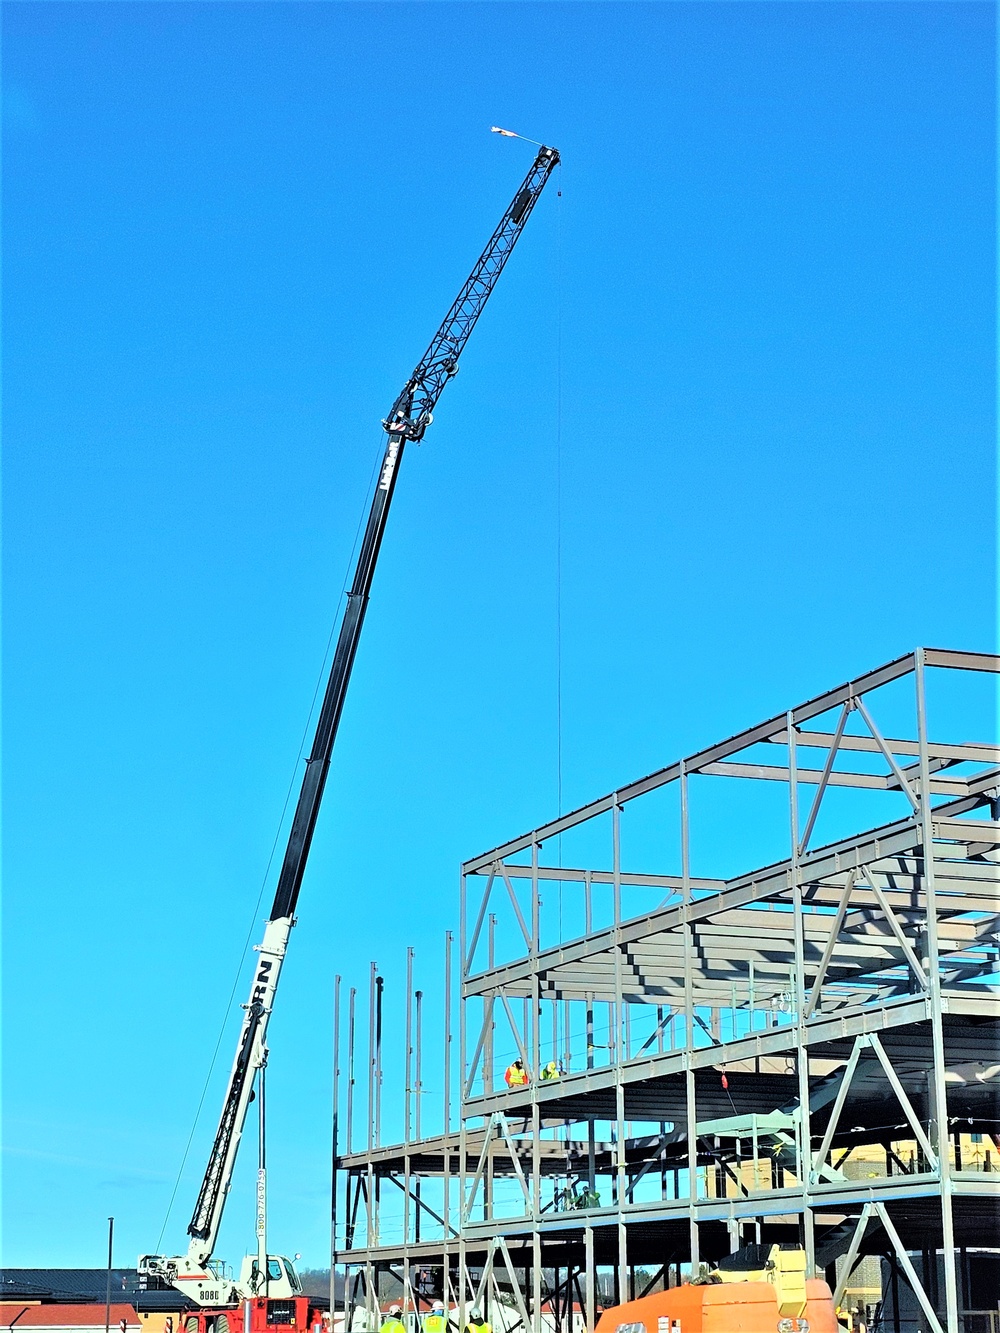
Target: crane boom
x,y
408,419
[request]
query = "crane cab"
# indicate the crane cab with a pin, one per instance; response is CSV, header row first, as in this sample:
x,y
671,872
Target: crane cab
x,y
282,1280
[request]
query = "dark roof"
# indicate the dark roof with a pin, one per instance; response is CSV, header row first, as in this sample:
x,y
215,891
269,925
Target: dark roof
x,y
87,1285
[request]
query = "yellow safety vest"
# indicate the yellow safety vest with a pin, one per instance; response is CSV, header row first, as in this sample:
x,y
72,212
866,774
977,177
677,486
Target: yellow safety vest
x,y
435,1323
478,1328
393,1325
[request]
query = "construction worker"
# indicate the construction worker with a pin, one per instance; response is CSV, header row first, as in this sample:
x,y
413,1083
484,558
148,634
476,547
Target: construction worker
x,y
515,1075
477,1324
436,1321
551,1071
393,1322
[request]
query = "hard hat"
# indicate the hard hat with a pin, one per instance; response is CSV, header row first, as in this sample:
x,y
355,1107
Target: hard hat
x,y
438,1307
475,1313
395,1309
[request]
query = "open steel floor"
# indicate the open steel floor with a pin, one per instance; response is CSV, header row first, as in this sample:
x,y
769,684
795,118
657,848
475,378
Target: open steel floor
x,y
808,1051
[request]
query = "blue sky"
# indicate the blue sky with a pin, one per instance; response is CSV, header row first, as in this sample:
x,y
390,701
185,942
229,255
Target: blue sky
x,y
230,231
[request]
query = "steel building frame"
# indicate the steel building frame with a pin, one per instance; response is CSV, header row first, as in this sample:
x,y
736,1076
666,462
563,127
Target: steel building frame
x,y
807,1051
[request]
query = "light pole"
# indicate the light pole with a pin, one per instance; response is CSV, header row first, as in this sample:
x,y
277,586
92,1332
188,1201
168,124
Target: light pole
x,y
107,1287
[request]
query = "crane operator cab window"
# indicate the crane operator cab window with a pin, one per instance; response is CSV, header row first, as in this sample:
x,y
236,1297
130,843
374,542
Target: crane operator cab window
x,y
282,1279
275,1273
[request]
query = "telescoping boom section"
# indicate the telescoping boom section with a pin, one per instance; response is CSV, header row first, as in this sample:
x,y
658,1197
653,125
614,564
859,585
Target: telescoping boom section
x,y
194,1272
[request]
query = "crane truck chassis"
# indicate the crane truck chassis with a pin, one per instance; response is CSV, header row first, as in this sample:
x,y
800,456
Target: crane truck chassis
x,y
261,1313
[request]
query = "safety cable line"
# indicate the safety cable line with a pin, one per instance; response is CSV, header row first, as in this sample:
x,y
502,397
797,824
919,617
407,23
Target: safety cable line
x,y
274,845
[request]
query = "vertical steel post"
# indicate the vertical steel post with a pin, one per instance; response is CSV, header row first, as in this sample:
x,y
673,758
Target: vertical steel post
x,y
591,1131
349,1126
463,971
376,1178
663,1123
690,1089
334,1147
620,1050
940,1092
407,1099
488,1002
536,1059
369,1169
371,1295
379,990
446,1127
591,1276
408,1044
446,1082
535,1038
536,1276
487,1182
417,1094
799,988
371,1055
418,998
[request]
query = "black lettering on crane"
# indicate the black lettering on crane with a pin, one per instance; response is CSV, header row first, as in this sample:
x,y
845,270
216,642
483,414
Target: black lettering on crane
x,y
261,986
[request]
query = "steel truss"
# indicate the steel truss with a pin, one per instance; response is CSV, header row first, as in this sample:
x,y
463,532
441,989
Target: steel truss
x,y
809,1051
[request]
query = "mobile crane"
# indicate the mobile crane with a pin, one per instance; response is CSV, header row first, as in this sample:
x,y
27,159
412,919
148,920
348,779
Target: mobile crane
x,y
268,1288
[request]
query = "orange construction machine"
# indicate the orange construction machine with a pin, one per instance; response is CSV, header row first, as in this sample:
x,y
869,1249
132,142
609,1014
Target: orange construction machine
x,y
759,1289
